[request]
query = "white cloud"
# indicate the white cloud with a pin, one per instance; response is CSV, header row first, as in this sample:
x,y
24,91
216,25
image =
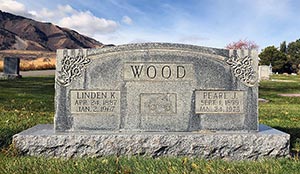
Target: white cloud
x,y
45,13
66,9
82,21
33,13
87,23
14,7
66,16
127,20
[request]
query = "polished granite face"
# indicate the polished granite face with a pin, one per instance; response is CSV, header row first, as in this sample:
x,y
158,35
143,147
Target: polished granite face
x,y
156,87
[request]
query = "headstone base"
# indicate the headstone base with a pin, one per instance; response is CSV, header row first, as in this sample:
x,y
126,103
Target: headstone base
x,y
4,76
41,140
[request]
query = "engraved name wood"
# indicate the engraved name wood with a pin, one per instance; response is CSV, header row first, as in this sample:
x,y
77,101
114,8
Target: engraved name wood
x,y
156,71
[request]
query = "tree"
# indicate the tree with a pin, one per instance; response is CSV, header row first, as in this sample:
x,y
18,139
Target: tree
x,y
284,59
242,44
283,47
277,59
293,51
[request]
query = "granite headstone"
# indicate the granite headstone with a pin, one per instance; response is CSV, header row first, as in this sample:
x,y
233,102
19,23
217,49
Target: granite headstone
x,y
155,99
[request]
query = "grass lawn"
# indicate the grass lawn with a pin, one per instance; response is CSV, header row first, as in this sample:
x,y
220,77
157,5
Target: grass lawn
x,y
282,113
30,101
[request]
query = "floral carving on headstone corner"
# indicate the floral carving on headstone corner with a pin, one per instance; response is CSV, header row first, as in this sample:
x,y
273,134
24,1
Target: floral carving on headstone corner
x,y
242,69
72,66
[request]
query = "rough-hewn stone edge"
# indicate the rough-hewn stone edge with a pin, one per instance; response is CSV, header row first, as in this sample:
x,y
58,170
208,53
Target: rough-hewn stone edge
x,y
42,141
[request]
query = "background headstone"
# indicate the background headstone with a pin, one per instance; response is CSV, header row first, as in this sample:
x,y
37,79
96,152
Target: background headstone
x,y
264,72
11,68
11,65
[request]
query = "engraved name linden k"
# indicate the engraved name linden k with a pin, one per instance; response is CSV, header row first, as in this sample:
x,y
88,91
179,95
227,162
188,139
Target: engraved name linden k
x,y
158,71
95,101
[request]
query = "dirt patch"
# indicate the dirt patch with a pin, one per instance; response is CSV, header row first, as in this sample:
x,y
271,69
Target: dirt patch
x,y
263,100
277,80
289,95
37,73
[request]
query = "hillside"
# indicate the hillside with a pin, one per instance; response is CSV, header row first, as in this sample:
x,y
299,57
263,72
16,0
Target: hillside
x,y
17,32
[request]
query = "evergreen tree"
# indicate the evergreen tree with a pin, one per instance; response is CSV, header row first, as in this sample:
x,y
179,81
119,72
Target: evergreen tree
x,y
283,47
293,51
277,58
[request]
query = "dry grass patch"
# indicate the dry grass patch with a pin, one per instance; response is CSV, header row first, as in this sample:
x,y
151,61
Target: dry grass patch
x,y
30,60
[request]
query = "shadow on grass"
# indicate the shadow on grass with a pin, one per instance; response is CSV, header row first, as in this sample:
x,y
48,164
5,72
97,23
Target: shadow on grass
x,y
294,133
276,87
6,136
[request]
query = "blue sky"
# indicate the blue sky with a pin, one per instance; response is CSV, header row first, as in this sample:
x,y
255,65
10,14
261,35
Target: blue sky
x,y
212,23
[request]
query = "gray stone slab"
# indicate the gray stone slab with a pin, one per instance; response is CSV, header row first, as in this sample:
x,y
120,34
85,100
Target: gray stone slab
x,y
159,88
42,140
11,68
264,72
11,65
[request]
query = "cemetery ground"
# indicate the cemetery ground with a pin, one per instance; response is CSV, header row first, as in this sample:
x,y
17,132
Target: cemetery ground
x,y
30,101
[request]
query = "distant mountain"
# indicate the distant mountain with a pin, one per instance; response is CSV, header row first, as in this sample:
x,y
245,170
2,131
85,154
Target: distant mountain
x,y
17,32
